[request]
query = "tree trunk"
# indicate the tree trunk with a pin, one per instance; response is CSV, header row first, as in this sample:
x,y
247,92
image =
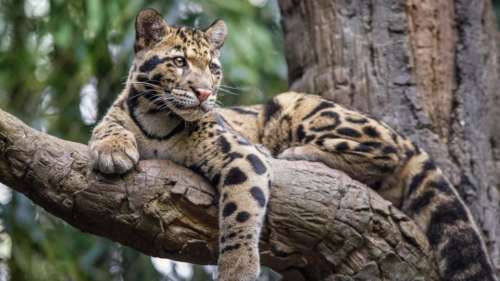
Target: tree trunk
x,y
321,225
428,68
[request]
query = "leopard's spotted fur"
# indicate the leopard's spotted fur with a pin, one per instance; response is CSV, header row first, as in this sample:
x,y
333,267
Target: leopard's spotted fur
x,y
306,127
164,112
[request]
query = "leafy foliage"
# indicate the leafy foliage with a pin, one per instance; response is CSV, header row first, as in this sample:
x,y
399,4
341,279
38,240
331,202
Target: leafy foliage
x,y
62,62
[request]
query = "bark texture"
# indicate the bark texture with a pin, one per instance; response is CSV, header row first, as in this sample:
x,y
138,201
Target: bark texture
x,y
428,68
321,225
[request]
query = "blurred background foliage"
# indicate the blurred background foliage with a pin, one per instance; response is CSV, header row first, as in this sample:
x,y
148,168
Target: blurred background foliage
x,y
62,62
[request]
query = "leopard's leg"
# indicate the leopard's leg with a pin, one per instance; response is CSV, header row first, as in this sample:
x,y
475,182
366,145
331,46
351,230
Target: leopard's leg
x,y
243,177
362,162
113,149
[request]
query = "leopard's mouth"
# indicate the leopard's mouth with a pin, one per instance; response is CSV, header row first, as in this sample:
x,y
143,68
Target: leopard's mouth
x,y
185,103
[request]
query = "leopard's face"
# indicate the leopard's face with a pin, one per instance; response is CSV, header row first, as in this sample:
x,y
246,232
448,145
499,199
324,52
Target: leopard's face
x,y
177,69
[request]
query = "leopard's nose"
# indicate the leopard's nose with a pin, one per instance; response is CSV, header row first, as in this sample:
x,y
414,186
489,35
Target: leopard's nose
x,y
202,94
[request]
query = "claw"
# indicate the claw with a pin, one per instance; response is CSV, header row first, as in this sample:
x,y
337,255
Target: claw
x,y
109,158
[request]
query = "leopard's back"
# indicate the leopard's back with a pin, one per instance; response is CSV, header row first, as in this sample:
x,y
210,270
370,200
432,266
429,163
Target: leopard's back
x,y
298,126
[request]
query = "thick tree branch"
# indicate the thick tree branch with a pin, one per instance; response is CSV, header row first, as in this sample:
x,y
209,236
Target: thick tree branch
x,y
427,68
321,225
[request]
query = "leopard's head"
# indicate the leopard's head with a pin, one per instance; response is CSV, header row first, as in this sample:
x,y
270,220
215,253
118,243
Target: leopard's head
x,y
177,68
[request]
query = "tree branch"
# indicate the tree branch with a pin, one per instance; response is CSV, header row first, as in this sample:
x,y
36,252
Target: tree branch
x,y
321,225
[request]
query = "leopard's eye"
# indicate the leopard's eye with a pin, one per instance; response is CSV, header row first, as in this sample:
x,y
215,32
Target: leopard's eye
x,y
214,67
180,61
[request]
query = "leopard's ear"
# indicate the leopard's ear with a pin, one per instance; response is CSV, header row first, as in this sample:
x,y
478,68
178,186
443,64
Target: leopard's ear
x,y
150,28
217,33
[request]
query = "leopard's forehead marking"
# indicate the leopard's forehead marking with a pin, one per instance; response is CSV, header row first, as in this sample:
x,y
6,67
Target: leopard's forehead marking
x,y
190,42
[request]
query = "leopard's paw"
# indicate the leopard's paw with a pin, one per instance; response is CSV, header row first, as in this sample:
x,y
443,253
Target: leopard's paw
x,y
114,154
297,153
239,265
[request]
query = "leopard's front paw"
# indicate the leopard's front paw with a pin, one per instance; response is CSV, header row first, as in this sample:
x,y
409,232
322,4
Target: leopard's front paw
x,y
114,154
241,265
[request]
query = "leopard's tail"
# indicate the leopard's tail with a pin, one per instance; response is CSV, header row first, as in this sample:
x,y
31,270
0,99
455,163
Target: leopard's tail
x,y
437,208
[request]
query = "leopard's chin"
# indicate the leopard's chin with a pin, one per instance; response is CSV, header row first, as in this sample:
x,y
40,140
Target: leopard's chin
x,y
190,114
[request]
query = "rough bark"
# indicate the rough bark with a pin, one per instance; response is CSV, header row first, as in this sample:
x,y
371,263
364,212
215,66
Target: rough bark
x,y
428,68
321,225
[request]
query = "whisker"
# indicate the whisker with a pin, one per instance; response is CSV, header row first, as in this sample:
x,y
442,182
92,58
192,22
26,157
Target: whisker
x,y
230,87
228,92
156,91
142,83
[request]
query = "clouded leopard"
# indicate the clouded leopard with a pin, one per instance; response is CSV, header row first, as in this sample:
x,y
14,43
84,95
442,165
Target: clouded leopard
x,y
166,112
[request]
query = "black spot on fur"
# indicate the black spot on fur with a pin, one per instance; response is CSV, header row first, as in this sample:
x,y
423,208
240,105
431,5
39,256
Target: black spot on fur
x,y
156,79
196,168
242,216
298,103
420,202
270,110
376,185
442,186
463,250
235,176
374,144
322,105
243,111
258,195
349,132
384,158
342,146
142,78
230,248
229,209
361,120
443,216
371,131
325,128
331,115
389,150
409,154
233,155
395,137
257,164
216,180
151,64
429,165
301,134
309,138
417,180
363,148
224,145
